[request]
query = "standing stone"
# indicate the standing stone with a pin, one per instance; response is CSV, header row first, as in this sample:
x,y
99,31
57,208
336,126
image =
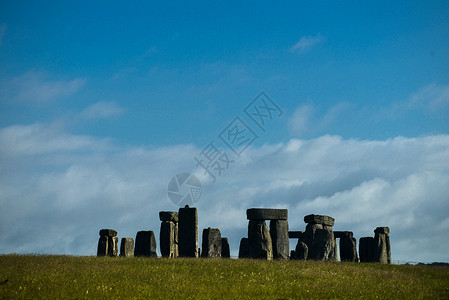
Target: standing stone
x,y
244,248
319,238
102,246
211,243
381,245
280,239
225,252
259,240
108,243
145,244
348,249
167,239
301,250
169,233
127,247
366,249
113,246
188,232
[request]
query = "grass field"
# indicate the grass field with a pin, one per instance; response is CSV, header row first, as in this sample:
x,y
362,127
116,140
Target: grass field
x,y
64,277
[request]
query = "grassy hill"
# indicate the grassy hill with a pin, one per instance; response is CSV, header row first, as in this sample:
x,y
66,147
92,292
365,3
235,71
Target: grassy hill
x,y
91,277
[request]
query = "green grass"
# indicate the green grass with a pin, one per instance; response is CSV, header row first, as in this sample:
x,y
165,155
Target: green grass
x,y
64,277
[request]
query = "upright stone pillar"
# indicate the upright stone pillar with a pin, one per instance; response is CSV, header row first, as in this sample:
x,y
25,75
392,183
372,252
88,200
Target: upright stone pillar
x,y
225,252
366,245
319,238
145,244
169,234
127,247
301,250
382,250
244,248
211,243
348,246
260,244
188,232
102,249
108,243
279,236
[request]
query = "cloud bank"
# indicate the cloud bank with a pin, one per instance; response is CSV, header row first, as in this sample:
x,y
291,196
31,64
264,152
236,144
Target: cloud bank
x,y
58,189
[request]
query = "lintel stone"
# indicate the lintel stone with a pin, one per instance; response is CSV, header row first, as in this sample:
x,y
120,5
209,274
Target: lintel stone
x,y
319,219
384,230
342,234
266,214
168,216
108,232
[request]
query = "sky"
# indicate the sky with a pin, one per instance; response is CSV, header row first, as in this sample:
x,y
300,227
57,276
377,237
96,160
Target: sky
x,y
323,107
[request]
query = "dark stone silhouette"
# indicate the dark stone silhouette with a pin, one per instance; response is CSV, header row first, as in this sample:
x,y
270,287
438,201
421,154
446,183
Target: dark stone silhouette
x,y
296,234
127,247
211,243
108,232
266,214
280,240
382,250
301,251
319,238
145,244
168,237
348,249
259,240
188,232
102,249
113,246
366,245
225,252
244,248
108,243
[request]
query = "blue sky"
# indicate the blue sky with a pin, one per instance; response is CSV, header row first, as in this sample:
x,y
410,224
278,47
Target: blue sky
x,y
102,103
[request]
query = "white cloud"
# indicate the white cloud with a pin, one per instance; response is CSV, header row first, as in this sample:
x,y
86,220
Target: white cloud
x,y
100,110
301,119
2,32
432,97
306,42
36,86
67,187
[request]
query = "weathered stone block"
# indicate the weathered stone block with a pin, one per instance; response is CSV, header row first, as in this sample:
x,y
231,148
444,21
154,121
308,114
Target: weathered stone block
x,y
366,245
381,247
145,244
266,214
320,242
296,234
167,239
113,246
102,249
127,247
348,249
260,244
168,216
244,248
342,234
108,232
188,232
301,251
225,252
280,240
383,230
318,219
211,243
